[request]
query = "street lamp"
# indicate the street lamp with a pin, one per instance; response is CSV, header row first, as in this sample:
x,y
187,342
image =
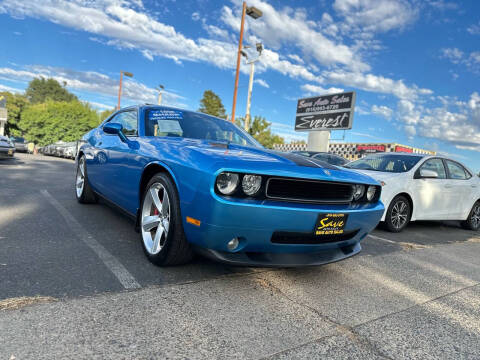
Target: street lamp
x,y
160,88
259,47
254,13
126,73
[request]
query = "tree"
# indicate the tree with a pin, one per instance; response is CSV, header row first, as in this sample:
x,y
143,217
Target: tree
x,y
260,130
53,121
15,105
40,90
212,104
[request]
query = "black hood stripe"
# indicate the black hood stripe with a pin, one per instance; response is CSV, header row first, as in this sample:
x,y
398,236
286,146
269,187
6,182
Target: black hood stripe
x,y
305,161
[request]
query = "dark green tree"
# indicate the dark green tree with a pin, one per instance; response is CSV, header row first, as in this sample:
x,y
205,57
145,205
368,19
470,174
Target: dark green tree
x,y
15,105
40,90
212,104
53,121
260,130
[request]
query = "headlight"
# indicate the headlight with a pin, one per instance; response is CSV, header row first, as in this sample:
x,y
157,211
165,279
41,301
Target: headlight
x,y
227,183
371,192
358,191
251,184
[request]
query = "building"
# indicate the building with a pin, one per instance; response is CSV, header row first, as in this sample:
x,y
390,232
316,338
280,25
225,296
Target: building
x,y
354,151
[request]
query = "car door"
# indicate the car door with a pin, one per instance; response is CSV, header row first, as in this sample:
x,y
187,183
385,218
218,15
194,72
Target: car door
x,y
432,196
120,169
459,180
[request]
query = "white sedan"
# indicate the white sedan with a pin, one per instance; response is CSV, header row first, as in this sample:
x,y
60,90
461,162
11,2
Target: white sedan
x,y
420,187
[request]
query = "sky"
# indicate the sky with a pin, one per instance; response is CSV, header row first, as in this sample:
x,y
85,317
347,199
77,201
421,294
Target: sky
x,y
414,64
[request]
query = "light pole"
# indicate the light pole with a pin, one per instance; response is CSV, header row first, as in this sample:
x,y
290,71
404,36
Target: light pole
x,y
126,73
160,88
255,14
259,47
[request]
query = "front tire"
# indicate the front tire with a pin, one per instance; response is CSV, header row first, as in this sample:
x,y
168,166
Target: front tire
x,y
161,229
473,220
398,214
83,191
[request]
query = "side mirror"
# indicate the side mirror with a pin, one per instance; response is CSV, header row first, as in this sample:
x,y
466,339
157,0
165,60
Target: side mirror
x,y
115,129
428,174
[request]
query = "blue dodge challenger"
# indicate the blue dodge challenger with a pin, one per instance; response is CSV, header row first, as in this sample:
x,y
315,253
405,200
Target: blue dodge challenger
x,y
197,183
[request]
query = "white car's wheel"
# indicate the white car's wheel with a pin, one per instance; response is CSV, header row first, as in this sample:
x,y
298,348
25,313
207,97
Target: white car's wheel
x,y
398,214
473,220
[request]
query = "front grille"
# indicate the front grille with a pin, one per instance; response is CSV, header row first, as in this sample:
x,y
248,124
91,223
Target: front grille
x,y
309,191
284,237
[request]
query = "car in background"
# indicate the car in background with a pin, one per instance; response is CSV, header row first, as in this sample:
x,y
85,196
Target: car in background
x,y
420,187
329,158
7,148
21,145
195,182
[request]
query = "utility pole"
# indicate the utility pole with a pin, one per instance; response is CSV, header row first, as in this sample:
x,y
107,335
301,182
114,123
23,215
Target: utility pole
x,y
160,88
255,14
249,97
126,73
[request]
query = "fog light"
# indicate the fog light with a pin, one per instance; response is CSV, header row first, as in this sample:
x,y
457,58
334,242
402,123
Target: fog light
x,y
232,244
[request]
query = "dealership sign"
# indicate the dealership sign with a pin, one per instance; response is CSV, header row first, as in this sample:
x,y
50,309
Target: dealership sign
x,y
371,148
328,112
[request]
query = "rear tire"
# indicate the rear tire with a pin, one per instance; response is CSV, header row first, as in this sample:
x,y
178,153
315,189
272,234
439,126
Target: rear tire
x,y
161,228
473,220
398,214
83,191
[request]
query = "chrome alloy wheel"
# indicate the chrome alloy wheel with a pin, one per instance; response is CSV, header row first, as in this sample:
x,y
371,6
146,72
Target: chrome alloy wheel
x,y
155,221
475,220
80,183
399,215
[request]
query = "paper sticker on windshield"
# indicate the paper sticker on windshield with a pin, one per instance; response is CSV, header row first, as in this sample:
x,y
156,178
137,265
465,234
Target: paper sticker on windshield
x,y
155,115
169,127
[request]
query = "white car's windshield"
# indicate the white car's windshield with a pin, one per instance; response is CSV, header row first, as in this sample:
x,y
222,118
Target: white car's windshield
x,y
393,163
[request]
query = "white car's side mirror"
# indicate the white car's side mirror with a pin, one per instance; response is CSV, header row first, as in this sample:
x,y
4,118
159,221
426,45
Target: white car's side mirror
x,y
429,174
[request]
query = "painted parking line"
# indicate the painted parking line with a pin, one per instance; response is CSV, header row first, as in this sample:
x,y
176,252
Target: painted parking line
x,y
111,262
382,239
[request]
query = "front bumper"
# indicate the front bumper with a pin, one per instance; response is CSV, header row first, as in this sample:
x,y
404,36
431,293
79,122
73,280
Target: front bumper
x,y
6,152
254,223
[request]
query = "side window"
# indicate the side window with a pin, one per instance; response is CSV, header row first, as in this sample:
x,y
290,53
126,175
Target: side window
x,y
128,119
456,171
437,166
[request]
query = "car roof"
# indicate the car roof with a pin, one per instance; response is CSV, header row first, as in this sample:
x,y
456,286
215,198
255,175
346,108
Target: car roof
x,y
400,154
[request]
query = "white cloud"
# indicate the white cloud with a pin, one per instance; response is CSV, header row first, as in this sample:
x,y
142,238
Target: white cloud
x,y
91,82
372,16
458,57
195,16
383,111
455,55
313,90
261,82
10,89
474,29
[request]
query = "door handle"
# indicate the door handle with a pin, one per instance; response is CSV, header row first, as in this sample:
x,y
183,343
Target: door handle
x,y
99,144
473,186
447,186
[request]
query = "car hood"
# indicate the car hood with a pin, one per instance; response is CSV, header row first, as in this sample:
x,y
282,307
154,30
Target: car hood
x,y
224,156
4,143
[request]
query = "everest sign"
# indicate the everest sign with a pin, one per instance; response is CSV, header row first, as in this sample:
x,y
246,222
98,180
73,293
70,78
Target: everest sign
x,y
328,112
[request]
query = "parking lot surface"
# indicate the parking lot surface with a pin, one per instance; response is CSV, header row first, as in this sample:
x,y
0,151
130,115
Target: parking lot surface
x,y
410,295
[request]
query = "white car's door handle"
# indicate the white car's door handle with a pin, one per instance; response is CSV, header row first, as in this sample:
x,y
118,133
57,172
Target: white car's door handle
x,y
447,186
473,186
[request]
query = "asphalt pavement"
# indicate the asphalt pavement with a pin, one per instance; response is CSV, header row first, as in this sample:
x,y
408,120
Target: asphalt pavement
x,y
409,295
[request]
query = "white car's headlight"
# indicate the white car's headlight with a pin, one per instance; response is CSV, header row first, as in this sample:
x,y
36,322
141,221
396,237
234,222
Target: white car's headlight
x,y
358,191
227,183
251,184
371,192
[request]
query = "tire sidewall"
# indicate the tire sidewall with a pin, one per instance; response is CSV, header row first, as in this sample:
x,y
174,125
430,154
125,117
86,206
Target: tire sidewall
x,y
388,216
174,216
81,198
469,220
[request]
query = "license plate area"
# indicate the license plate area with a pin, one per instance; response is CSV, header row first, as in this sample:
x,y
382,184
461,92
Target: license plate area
x,y
330,224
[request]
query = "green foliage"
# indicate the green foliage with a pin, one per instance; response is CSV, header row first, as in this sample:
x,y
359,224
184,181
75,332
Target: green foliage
x,y
105,114
40,90
53,121
15,104
212,104
260,130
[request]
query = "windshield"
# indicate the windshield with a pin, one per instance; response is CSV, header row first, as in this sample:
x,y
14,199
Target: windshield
x,y
186,124
386,162
331,159
18,139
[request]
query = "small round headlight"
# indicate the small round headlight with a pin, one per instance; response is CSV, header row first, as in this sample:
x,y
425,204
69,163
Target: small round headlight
x,y
358,191
371,192
251,184
227,183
